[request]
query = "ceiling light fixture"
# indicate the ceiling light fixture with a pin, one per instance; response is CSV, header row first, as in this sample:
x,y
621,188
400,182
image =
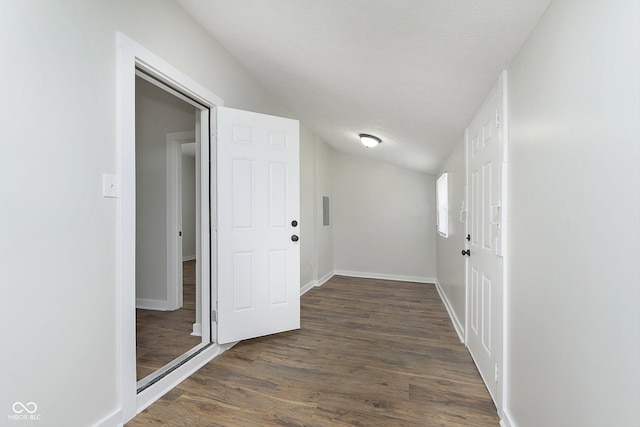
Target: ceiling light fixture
x,y
369,141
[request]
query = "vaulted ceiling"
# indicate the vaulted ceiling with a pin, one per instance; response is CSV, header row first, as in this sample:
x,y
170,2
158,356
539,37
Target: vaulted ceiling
x,y
412,72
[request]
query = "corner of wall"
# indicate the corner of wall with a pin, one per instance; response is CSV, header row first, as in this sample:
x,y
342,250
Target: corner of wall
x,y
113,420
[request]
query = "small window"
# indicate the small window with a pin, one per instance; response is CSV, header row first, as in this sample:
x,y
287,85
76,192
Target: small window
x,y
442,200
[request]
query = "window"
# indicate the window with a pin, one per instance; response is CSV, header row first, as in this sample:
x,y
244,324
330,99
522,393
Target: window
x,y
442,200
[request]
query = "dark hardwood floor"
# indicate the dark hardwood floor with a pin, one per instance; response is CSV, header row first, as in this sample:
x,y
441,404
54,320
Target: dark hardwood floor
x,y
369,353
161,336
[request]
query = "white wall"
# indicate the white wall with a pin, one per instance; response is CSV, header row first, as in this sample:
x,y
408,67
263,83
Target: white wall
x,y
383,220
308,250
451,264
188,206
323,159
316,251
58,272
157,113
574,215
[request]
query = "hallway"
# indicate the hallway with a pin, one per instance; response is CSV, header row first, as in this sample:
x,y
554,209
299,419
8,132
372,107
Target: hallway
x,y
370,352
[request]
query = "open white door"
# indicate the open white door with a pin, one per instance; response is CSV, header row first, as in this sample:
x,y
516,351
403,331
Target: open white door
x,y
258,202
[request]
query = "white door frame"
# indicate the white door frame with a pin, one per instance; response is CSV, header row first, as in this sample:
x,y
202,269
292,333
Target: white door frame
x,y
131,55
174,216
504,128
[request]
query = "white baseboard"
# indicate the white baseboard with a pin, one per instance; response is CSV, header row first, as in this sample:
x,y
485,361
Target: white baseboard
x,y
324,279
306,288
197,330
452,314
507,420
312,284
418,279
166,384
113,420
188,258
152,304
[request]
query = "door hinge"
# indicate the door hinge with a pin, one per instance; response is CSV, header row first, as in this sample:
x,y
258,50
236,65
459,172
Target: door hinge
x,y
497,373
497,118
214,316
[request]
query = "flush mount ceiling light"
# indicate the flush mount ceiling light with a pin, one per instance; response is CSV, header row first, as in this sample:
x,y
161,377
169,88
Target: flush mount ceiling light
x,y
369,141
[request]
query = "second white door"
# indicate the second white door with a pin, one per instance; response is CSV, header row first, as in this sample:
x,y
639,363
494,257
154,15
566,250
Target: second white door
x,y
258,235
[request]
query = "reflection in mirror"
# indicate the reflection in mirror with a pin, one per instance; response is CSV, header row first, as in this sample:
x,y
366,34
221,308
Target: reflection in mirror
x,y
166,264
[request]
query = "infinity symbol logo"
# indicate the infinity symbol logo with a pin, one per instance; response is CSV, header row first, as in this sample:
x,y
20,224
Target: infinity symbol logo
x,y
30,407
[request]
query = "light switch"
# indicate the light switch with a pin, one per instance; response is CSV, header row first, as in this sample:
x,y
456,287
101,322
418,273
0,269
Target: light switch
x,y
110,185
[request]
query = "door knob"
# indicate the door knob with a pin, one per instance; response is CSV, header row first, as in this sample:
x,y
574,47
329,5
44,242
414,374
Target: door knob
x,y
466,252
294,238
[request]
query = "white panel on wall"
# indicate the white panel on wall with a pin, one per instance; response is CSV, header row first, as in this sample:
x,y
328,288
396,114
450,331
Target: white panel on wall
x,y
278,283
278,182
242,281
243,193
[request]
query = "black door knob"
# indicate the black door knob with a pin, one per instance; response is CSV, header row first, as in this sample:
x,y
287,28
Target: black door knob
x,y
466,252
295,238
294,223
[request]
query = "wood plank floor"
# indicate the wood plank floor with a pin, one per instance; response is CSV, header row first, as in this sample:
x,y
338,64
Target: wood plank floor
x,y
369,353
161,336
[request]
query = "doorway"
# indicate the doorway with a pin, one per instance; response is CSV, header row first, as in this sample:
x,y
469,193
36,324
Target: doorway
x,y
135,61
247,180
165,309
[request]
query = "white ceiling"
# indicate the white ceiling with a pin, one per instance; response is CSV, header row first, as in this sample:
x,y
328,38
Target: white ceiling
x,y
412,72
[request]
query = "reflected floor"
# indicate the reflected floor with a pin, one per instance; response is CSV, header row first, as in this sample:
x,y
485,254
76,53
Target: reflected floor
x,y
161,336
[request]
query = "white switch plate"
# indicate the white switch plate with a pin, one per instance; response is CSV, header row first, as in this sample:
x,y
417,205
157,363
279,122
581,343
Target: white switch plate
x,y
110,185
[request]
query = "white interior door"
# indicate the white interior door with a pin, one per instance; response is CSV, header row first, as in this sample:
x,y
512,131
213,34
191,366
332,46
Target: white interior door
x,y
258,215
484,266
